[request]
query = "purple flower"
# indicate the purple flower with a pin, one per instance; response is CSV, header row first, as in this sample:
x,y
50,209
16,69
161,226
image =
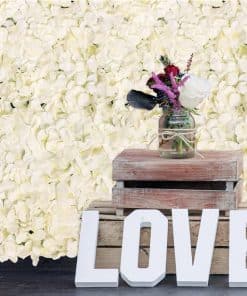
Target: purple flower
x,y
171,93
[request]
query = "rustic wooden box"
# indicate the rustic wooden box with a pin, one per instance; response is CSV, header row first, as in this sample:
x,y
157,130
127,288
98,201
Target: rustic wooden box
x,y
145,180
108,253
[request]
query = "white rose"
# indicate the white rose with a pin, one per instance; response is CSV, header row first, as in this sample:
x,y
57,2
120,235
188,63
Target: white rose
x,y
194,90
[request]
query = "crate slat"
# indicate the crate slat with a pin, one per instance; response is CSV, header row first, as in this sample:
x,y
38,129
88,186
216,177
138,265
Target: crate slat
x,y
156,198
141,164
113,217
111,232
239,194
110,258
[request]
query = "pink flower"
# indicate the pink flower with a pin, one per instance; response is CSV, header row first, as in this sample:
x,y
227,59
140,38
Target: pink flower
x,y
166,89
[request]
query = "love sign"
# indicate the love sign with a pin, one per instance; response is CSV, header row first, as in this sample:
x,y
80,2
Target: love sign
x,y
188,272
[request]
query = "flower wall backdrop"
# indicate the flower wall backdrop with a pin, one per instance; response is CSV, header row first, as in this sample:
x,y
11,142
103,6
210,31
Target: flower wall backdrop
x,y
66,67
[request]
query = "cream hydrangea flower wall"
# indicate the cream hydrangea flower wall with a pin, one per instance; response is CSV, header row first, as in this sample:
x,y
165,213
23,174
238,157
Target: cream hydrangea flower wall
x,y
66,67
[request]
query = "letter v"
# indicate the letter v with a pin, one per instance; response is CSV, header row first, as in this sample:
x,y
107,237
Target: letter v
x,y
197,273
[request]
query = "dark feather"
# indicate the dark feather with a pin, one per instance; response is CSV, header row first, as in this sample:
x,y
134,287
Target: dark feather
x,y
141,100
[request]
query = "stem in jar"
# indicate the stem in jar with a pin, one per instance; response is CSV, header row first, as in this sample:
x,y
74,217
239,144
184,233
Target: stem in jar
x,y
180,146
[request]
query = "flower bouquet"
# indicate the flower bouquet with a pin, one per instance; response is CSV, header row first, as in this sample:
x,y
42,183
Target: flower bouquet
x,y
178,94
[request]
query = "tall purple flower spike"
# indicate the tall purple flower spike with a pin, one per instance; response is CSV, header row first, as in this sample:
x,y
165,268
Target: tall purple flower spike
x,y
161,86
174,84
175,90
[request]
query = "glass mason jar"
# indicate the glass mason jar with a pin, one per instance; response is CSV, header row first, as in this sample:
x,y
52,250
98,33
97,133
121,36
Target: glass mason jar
x,y
177,134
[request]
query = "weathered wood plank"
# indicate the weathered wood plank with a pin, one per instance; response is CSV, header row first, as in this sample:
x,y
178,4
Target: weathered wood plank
x,y
242,205
156,198
110,217
238,191
101,204
106,211
110,234
109,209
141,164
110,258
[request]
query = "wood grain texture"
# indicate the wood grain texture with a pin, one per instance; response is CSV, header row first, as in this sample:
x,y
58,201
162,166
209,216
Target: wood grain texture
x,y
111,232
110,258
238,191
156,198
141,164
109,217
109,208
101,204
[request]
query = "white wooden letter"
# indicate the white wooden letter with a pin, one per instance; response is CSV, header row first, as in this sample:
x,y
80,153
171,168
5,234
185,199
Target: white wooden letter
x,y
197,273
238,249
86,274
156,270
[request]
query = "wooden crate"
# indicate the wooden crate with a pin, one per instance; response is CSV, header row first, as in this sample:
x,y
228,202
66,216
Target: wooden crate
x,y
110,240
145,180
